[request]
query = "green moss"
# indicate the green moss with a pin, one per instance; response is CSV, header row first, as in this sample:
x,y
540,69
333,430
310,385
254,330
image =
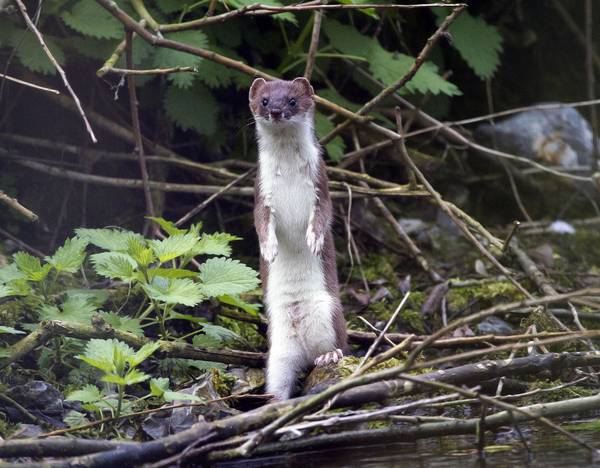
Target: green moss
x,y
486,294
248,331
20,310
222,382
377,266
6,428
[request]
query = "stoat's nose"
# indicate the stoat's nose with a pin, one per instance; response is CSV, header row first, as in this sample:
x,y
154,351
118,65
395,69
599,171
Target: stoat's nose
x,y
275,114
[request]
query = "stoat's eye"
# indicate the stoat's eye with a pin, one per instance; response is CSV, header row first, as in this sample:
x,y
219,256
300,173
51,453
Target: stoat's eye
x,y
265,101
292,102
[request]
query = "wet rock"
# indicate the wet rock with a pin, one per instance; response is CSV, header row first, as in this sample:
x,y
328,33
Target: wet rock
x,y
38,395
247,379
168,422
558,137
412,226
494,326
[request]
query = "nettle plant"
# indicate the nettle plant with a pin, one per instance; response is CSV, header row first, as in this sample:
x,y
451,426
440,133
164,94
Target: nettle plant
x,y
119,365
155,268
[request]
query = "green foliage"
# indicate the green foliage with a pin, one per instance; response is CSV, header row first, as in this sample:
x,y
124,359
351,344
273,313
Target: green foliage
x,y
174,291
201,117
70,256
109,239
90,19
386,66
225,276
215,336
166,58
478,42
160,388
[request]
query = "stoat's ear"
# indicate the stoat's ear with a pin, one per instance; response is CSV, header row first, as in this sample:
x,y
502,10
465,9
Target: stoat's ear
x,y
305,85
257,84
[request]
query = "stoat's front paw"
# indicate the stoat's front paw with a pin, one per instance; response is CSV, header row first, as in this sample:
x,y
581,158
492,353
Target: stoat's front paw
x,y
315,242
327,358
269,249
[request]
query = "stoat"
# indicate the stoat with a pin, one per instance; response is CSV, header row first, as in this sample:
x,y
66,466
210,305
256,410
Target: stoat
x,y
292,216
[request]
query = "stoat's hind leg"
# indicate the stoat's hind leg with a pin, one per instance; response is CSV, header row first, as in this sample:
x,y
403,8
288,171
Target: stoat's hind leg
x,y
330,357
283,367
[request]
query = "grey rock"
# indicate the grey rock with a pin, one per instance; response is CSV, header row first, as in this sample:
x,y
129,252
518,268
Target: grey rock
x,y
559,137
494,326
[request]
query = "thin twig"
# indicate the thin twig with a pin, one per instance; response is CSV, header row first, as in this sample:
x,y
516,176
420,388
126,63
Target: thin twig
x,y
154,71
211,198
444,207
314,43
30,85
135,124
258,9
22,244
61,72
419,60
16,206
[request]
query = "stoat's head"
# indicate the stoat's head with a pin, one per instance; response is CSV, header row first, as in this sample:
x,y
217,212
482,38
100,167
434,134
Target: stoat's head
x,y
279,104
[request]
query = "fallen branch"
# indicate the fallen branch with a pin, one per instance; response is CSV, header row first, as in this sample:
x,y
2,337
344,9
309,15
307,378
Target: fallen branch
x,y
57,328
398,191
397,434
205,433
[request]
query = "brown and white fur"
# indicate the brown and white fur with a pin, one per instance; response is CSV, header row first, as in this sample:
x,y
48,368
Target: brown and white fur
x,y
293,215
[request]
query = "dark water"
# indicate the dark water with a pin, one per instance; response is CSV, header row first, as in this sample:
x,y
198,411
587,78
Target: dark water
x,y
546,450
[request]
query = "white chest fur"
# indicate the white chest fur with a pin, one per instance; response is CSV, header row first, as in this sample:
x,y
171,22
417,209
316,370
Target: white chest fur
x,y
298,303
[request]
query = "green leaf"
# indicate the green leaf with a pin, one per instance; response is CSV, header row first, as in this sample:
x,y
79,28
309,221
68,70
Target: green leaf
x,y
167,58
478,42
123,323
205,365
15,288
139,251
75,418
176,291
76,309
143,353
90,19
167,226
96,297
170,396
386,66
70,256
32,56
173,246
109,239
201,117
171,273
4,352
215,244
170,6
134,376
88,394
7,291
225,276
31,266
237,302
114,265
103,354
10,330
205,341
336,147
224,335
10,273
215,75
158,386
